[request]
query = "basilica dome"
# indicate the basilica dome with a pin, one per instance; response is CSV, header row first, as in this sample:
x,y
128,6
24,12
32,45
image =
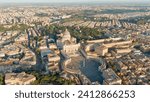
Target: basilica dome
x,y
66,35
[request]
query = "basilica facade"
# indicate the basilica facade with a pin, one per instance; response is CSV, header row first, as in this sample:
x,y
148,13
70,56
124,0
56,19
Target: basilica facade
x,y
68,44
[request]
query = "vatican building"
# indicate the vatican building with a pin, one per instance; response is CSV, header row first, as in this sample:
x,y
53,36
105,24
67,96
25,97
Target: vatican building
x,y
68,44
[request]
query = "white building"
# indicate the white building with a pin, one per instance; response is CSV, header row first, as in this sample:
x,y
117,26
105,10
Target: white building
x,y
2,54
68,44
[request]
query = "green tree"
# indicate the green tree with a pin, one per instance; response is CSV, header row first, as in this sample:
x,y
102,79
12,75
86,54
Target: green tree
x,y
1,79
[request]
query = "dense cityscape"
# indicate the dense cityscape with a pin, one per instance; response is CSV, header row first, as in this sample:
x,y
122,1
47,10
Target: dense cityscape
x,y
75,45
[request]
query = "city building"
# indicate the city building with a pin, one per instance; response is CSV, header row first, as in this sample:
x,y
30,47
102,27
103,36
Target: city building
x,y
19,78
68,44
111,78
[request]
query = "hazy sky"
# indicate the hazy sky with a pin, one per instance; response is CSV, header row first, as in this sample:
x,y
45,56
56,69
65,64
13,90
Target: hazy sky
x,y
19,1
